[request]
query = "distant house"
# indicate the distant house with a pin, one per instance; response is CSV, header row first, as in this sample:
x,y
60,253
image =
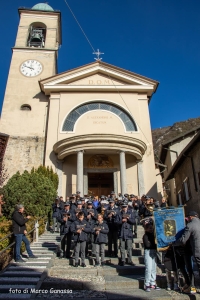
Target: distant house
x,y
169,142
186,173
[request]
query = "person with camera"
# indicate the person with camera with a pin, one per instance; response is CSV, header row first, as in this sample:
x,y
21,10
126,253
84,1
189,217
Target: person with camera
x,y
109,216
65,218
125,220
19,230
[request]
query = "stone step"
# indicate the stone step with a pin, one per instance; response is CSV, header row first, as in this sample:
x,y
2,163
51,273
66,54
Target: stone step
x,y
24,268
43,251
137,294
74,282
137,252
58,271
21,273
30,264
48,240
131,281
5,294
137,260
18,280
138,245
51,248
44,244
40,258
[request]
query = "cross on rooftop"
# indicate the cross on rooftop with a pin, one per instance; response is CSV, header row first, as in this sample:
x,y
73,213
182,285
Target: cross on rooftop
x,y
98,53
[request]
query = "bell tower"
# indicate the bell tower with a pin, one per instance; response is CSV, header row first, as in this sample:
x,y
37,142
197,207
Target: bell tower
x,y
34,57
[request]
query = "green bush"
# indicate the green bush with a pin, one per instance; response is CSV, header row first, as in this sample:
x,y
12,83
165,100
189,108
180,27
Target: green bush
x,y
35,190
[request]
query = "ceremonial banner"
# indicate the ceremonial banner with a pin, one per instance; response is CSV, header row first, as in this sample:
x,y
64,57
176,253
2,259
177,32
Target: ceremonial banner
x,y
169,226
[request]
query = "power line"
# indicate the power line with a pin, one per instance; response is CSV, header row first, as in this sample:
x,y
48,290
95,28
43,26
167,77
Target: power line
x,y
79,25
104,68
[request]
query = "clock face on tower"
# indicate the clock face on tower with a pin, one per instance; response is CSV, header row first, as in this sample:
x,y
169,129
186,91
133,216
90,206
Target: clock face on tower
x,y
31,68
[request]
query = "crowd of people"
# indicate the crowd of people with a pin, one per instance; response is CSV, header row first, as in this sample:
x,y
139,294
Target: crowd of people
x,y
86,224
118,217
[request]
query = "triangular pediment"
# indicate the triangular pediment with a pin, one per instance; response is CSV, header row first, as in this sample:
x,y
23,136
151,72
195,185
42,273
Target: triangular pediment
x,y
98,79
99,76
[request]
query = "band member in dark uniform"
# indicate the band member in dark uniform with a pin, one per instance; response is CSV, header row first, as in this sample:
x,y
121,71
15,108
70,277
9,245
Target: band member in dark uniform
x,y
91,219
110,216
65,218
125,220
80,229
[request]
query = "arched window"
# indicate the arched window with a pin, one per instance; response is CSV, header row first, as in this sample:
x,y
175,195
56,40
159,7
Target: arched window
x,y
37,35
80,110
25,107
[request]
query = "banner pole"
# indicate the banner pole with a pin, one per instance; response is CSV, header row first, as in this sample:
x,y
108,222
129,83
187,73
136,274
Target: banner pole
x,y
177,270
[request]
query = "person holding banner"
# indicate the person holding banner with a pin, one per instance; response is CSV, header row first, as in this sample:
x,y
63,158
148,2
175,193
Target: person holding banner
x,y
191,233
150,258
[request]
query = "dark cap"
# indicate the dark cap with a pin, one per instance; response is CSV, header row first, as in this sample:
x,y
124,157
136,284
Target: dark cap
x,y
102,197
79,202
125,195
78,192
67,204
73,195
111,200
132,196
89,202
112,193
193,214
124,204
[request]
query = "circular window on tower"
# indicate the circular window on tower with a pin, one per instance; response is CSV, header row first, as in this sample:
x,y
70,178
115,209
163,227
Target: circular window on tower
x,y
25,107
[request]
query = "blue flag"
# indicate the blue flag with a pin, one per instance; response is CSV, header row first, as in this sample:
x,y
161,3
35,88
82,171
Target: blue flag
x,y
169,226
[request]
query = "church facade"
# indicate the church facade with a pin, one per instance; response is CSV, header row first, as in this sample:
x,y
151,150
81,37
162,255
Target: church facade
x,y
91,124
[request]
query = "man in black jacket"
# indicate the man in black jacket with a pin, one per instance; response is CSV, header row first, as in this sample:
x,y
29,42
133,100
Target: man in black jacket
x,y
19,230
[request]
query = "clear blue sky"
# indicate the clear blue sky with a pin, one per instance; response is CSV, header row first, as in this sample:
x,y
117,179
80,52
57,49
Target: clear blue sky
x,y
159,39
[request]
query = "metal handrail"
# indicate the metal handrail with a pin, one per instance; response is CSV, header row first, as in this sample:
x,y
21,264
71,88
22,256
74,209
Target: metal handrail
x,y
5,237
13,243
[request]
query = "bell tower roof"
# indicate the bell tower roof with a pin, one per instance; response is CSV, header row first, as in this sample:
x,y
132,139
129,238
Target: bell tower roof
x,y
42,6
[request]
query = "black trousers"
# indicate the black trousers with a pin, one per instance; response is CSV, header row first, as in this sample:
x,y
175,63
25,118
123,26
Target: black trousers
x,y
197,259
112,239
65,240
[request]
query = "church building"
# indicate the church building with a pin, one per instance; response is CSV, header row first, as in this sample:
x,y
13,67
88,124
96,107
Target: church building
x,y
91,123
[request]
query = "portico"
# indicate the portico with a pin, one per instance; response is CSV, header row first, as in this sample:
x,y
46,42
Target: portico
x,y
105,146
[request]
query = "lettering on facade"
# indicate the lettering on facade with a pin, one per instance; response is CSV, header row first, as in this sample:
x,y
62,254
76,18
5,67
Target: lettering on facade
x,y
100,82
99,119
100,161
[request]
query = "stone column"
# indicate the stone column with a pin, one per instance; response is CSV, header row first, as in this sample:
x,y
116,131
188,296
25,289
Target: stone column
x,y
141,185
79,179
122,171
85,183
60,173
115,183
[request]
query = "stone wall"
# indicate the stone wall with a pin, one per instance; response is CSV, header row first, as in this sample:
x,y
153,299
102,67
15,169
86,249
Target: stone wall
x,y
23,153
